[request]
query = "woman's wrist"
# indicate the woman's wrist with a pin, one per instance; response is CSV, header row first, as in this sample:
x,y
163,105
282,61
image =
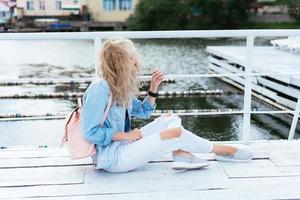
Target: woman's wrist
x,y
120,136
153,88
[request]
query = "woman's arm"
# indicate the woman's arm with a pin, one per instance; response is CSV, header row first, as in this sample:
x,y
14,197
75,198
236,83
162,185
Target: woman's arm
x,y
135,134
157,78
94,104
143,109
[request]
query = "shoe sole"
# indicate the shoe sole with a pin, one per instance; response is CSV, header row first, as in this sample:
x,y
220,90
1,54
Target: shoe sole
x,y
221,158
187,166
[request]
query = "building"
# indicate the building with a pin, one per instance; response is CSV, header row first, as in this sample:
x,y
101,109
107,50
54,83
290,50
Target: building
x,y
5,14
49,8
83,15
111,10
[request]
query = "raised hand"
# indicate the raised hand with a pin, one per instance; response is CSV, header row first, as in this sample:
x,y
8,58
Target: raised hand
x,y
157,78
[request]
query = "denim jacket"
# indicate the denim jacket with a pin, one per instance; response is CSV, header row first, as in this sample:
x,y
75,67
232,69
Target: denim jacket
x,y
95,100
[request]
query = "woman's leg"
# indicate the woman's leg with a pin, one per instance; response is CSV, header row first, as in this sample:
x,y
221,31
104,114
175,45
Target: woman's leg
x,y
190,142
140,152
133,155
156,125
173,138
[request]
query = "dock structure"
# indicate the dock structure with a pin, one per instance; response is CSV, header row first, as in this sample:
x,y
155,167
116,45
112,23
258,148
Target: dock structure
x,y
281,89
48,173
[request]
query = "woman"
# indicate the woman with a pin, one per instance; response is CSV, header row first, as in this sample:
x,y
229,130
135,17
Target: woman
x,y
120,149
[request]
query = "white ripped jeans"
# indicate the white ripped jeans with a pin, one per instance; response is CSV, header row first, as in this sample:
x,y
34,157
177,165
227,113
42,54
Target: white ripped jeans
x,y
130,156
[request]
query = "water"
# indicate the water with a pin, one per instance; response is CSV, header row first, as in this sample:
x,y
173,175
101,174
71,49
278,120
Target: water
x,y
51,59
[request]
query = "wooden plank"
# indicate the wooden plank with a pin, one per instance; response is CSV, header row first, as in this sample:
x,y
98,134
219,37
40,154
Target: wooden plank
x,y
174,195
281,61
255,172
41,176
42,162
280,88
154,177
286,158
34,153
295,81
269,188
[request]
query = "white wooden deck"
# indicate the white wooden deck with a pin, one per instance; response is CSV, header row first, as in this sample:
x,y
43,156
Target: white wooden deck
x,y
49,174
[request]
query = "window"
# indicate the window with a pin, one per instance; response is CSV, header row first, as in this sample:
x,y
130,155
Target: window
x,y
58,5
109,4
3,14
29,5
125,4
42,5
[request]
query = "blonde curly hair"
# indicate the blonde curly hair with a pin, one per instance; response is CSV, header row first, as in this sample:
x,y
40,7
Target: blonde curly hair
x,y
119,67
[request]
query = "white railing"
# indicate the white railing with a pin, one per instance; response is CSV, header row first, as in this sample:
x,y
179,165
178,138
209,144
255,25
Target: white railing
x,y
250,36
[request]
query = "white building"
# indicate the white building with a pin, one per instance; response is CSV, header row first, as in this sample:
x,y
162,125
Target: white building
x,y
5,14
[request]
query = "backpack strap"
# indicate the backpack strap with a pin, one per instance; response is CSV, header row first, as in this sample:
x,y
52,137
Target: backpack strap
x,y
107,110
68,118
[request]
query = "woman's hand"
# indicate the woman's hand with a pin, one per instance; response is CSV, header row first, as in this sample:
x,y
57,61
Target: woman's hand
x,y
133,135
130,136
157,78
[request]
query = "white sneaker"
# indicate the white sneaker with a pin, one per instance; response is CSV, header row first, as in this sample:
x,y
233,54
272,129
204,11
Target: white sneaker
x,y
185,163
242,155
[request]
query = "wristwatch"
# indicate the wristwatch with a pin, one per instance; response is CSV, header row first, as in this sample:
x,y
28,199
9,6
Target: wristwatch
x,y
152,94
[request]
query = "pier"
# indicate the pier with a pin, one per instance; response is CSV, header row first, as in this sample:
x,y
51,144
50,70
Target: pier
x,y
283,90
48,173
41,172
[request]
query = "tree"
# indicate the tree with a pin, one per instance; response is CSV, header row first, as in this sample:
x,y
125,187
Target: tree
x,y
158,14
189,14
294,9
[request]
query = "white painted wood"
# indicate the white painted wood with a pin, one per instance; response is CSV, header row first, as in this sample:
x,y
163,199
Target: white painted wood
x,y
152,177
236,55
293,92
222,70
34,153
158,178
175,195
295,80
149,34
269,188
250,172
41,176
286,158
260,90
295,119
42,162
277,62
225,65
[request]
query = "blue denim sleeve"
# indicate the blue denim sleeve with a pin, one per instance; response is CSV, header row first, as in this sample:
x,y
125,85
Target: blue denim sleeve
x,y
95,101
142,109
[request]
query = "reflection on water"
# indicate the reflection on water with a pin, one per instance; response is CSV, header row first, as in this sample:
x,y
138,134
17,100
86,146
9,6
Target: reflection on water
x,y
46,59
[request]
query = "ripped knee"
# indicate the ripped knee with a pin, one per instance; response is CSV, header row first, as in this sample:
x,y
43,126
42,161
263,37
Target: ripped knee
x,y
171,133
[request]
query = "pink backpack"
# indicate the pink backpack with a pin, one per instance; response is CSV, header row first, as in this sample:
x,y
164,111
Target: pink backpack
x,y
78,147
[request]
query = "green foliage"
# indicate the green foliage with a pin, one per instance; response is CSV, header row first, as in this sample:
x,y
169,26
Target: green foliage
x,y
158,14
189,14
294,9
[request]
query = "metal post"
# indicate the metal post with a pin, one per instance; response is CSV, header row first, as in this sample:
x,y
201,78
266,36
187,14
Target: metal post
x,y
295,119
97,46
247,90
